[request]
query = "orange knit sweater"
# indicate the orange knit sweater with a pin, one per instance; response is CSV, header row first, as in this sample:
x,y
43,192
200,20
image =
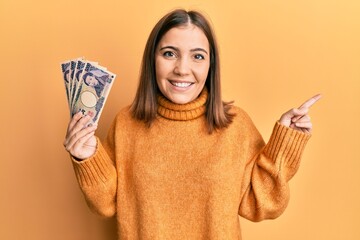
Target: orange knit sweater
x,y
175,181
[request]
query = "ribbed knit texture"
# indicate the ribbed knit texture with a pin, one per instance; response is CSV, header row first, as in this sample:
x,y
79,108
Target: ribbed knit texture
x,y
183,112
176,181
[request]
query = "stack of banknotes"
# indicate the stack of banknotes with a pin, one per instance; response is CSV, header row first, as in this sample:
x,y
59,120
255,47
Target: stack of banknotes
x,y
87,86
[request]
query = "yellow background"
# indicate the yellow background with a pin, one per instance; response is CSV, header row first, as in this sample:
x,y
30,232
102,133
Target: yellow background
x,y
274,55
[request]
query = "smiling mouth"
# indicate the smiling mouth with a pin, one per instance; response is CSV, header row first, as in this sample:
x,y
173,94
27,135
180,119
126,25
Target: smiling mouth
x,y
181,84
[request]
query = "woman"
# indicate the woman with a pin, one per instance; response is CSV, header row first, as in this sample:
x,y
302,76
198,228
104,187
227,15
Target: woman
x,y
179,163
96,82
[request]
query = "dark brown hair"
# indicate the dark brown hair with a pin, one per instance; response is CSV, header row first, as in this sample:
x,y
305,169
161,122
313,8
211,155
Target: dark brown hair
x,y
144,106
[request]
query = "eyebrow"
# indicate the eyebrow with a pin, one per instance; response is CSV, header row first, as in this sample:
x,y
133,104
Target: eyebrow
x,y
192,50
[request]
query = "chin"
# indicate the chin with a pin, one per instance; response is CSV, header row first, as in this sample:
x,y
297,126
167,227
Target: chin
x,y
180,100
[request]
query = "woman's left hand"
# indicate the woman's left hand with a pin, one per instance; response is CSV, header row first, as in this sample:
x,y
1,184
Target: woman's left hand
x,y
298,118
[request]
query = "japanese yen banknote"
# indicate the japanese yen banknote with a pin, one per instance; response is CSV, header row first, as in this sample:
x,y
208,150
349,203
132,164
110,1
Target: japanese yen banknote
x,y
87,86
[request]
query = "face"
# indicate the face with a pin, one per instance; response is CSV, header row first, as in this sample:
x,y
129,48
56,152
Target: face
x,y
91,81
182,61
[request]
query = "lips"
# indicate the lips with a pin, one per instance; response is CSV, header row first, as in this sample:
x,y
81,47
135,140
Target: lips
x,y
181,84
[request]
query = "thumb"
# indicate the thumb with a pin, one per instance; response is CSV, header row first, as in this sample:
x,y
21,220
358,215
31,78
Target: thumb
x,y
297,113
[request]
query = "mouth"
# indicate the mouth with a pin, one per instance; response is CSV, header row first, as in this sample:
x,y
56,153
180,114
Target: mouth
x,y
181,84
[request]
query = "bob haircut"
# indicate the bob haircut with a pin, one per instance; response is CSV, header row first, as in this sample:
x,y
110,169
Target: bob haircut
x,y
144,106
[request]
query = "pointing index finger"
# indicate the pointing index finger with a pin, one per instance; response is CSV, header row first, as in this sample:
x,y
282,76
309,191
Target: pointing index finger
x,y
311,101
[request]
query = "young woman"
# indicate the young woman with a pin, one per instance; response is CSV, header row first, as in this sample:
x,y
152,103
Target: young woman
x,y
180,163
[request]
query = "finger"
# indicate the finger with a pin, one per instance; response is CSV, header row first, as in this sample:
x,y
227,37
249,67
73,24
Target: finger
x,y
74,147
79,135
301,129
311,101
307,125
79,125
73,121
308,131
301,113
304,118
74,126
82,143
292,115
296,112
296,118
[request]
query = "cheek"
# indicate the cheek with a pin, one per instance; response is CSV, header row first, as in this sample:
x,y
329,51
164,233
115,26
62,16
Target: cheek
x,y
157,71
162,69
201,73
159,75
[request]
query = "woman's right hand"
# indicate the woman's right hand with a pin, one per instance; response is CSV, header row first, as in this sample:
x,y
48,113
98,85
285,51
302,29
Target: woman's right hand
x,y
80,140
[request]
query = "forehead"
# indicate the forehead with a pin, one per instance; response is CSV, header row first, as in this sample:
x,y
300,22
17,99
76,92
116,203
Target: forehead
x,y
186,36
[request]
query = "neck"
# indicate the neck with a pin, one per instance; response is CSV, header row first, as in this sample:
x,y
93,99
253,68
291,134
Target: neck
x,y
182,112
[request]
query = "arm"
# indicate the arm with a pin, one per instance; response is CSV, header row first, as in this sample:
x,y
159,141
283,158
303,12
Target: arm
x,y
265,191
93,164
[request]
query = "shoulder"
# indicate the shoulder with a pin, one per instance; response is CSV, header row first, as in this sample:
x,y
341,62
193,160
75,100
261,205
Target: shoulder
x,y
123,114
240,114
124,119
242,121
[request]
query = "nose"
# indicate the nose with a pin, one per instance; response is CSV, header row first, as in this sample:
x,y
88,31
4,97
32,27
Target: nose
x,y
182,67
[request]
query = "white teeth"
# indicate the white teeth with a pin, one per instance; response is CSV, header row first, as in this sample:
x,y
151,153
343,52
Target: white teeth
x,y
182,85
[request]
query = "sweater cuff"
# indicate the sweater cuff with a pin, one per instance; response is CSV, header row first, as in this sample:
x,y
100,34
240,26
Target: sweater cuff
x,y
93,170
286,145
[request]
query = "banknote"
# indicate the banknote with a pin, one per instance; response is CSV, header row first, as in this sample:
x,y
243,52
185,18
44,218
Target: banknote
x,y
76,78
65,69
88,86
94,87
78,69
73,64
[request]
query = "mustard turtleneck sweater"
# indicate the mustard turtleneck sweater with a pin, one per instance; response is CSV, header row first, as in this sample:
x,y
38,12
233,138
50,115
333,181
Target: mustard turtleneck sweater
x,y
175,181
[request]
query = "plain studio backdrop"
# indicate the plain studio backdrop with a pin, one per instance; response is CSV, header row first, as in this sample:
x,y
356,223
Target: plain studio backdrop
x,y
274,55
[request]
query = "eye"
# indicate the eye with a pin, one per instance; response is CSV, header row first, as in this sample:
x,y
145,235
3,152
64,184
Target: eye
x,y
199,57
168,54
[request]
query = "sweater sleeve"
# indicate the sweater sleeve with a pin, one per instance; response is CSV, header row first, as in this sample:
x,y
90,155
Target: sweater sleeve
x,y
97,177
265,191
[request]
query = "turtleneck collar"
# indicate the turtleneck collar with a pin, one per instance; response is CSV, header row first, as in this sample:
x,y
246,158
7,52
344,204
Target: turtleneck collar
x,y
182,112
